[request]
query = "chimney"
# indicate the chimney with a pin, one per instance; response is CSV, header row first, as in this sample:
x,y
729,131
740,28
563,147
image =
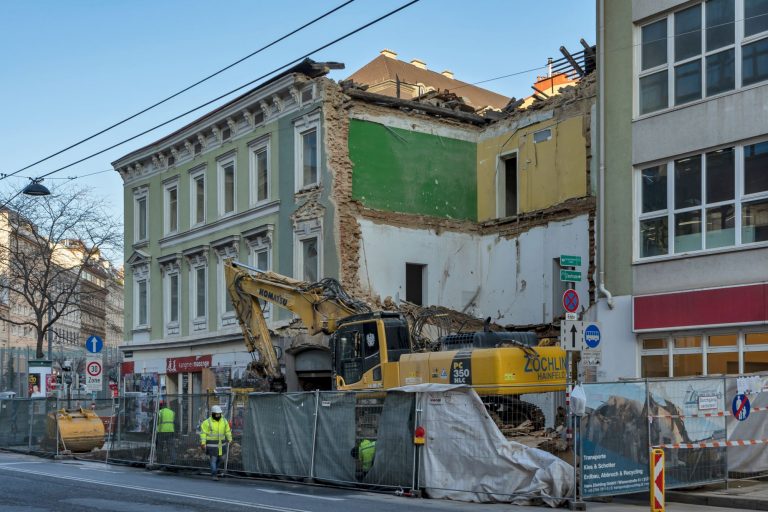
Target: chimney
x,y
389,54
447,74
419,63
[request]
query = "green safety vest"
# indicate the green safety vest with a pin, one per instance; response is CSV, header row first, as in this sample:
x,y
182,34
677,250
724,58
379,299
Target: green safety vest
x,y
215,432
165,420
366,451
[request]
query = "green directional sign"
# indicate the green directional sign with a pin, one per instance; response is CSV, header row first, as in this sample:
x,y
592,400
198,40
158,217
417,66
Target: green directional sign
x,y
570,276
570,261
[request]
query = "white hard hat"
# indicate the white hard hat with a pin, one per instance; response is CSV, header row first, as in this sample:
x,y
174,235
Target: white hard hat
x,y
216,410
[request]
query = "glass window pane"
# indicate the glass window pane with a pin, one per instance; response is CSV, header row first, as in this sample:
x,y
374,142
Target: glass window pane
x,y
687,33
142,303
720,26
756,168
654,92
174,298
261,175
754,62
309,259
723,340
754,221
173,214
755,362
228,306
654,188
654,366
723,363
755,16
687,82
654,236
721,230
688,342
654,343
756,338
199,199
309,143
688,231
142,204
688,182
721,72
687,364
654,41
229,189
262,260
200,285
721,182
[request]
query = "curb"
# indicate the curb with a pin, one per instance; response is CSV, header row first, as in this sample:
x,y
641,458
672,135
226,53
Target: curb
x,y
731,502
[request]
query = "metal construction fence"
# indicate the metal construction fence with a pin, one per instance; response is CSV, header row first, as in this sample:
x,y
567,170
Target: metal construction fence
x,y
711,429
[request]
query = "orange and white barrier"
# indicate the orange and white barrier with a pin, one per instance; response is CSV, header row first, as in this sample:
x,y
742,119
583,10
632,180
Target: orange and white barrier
x,y
715,444
657,480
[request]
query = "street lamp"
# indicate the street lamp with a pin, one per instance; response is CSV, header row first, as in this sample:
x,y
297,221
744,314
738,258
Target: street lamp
x,y
36,188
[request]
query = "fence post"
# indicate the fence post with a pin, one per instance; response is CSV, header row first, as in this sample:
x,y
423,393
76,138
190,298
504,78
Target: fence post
x,y
314,435
230,415
657,480
56,425
154,435
31,411
416,448
111,432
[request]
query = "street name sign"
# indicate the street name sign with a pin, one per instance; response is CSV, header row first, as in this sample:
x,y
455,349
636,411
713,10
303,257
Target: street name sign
x,y
570,261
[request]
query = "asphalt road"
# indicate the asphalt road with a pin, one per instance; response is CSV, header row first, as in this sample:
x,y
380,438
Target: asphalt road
x,y
31,484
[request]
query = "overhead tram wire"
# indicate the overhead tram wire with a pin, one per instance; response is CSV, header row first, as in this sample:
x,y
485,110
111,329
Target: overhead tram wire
x,y
147,109
295,61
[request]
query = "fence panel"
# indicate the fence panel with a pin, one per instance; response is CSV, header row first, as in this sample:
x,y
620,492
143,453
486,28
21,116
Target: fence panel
x,y
134,427
687,419
614,439
751,460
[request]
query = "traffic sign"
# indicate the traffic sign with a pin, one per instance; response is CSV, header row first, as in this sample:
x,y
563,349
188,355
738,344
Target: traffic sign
x,y
570,276
94,344
93,373
570,261
740,407
592,336
571,336
570,301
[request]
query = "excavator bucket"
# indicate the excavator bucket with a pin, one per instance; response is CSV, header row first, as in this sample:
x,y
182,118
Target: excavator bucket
x,y
79,430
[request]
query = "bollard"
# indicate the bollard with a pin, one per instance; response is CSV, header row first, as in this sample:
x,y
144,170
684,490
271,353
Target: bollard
x,y
657,480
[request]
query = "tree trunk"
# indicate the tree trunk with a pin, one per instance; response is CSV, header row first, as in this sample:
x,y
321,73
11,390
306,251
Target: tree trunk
x,y
40,338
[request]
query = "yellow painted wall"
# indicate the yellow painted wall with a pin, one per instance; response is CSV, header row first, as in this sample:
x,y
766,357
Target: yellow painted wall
x,y
550,172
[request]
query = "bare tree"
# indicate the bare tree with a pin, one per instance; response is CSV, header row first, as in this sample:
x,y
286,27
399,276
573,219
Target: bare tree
x,y
48,246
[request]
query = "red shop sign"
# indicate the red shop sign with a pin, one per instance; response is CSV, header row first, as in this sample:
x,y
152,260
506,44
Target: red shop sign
x,y
187,364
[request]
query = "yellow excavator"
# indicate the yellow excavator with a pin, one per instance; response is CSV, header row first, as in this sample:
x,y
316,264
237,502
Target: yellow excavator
x,y
373,350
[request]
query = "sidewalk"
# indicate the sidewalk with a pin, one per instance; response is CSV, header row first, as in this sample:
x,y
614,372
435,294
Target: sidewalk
x,y
740,495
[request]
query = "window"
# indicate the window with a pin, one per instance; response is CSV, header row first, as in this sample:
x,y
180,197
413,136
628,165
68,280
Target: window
x,y
142,300
259,171
508,186
307,94
415,280
694,204
171,217
171,293
197,193
226,133
141,215
705,56
198,292
310,261
198,148
309,157
542,135
227,187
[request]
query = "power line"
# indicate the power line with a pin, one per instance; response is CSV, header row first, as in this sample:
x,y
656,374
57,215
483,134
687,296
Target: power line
x,y
147,109
499,77
299,59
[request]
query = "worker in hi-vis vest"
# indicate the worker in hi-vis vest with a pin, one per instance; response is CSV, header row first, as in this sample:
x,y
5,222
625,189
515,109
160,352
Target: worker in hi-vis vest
x,y
214,434
166,430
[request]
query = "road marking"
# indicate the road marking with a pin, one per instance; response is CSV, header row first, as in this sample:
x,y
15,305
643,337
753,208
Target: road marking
x,y
102,470
276,491
9,463
160,491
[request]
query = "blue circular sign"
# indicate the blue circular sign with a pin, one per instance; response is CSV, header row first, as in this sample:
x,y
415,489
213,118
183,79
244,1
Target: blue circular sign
x,y
592,336
94,344
740,407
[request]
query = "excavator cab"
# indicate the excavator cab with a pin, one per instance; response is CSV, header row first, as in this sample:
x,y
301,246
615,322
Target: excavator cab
x,y
366,349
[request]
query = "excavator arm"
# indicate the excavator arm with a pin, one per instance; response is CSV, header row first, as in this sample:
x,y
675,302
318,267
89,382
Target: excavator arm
x,y
319,306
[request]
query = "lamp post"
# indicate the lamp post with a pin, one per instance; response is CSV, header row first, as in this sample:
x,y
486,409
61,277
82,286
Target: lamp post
x,y
36,188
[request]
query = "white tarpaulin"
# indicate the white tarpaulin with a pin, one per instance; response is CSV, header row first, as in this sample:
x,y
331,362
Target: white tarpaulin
x,y
750,458
467,458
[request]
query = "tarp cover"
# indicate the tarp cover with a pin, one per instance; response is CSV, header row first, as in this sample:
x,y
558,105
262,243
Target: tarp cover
x,y
467,458
754,458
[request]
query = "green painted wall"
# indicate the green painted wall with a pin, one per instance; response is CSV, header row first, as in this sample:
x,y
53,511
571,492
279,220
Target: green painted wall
x,y
618,147
410,172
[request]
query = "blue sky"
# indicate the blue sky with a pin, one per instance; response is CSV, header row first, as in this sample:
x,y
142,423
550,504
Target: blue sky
x,y
71,68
